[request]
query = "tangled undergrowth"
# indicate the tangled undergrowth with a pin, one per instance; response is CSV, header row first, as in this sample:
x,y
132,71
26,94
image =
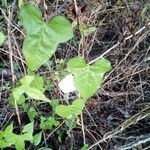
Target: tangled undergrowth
x,y
117,116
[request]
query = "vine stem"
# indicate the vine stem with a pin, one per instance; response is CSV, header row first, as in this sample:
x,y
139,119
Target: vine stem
x,y
10,47
77,11
114,46
83,132
10,12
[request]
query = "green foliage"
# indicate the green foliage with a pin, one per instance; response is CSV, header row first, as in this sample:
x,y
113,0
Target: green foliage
x,y
88,78
32,113
48,85
32,86
48,123
54,104
42,37
8,138
21,100
37,138
68,111
4,136
85,147
2,38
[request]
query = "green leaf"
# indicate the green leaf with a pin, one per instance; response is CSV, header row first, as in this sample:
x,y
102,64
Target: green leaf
x,y
37,138
48,123
33,86
27,132
54,104
4,144
37,82
25,107
70,110
101,66
31,18
28,128
8,138
26,80
85,147
20,145
2,38
32,113
48,85
77,106
75,64
64,111
8,130
62,29
88,78
17,93
11,139
19,101
42,37
36,94
2,133
40,47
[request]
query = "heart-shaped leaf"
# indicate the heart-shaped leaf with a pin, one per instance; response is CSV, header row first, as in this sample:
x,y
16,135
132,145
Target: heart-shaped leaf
x,y
42,37
70,110
32,85
88,78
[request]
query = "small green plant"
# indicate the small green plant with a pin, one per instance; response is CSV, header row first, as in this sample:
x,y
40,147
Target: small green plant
x,y
39,46
70,110
30,85
42,37
87,79
48,123
8,138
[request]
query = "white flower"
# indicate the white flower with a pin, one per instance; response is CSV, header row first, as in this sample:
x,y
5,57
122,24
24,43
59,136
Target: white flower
x,y
67,84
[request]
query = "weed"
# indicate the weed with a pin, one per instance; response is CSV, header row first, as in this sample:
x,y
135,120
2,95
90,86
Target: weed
x,y
39,46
